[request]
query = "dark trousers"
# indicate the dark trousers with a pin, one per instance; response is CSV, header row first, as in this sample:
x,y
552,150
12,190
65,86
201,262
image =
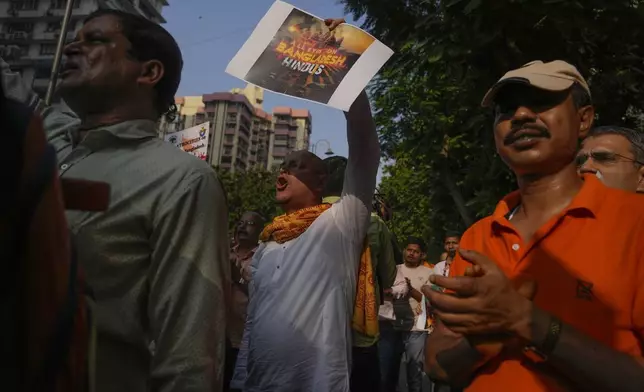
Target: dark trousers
x,y
390,348
365,369
229,366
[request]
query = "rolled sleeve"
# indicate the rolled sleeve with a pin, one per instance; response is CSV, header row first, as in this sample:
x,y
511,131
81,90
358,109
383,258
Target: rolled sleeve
x,y
189,286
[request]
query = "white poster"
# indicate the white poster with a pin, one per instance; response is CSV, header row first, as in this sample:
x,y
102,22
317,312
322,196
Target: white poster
x,y
192,140
292,52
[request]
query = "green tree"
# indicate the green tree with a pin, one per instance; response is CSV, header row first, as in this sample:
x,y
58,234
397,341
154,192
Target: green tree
x,y
252,190
448,53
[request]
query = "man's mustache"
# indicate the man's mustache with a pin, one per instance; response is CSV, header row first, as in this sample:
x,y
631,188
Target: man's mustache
x,y
513,136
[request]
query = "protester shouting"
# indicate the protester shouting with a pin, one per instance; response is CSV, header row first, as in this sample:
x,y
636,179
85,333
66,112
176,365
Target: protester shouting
x,y
547,292
307,270
157,259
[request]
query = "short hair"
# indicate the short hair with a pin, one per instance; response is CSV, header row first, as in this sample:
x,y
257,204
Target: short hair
x,y
336,167
580,97
150,41
261,217
450,234
636,138
411,240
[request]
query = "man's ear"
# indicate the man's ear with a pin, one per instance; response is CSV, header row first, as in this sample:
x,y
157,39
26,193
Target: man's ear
x,y
586,119
152,72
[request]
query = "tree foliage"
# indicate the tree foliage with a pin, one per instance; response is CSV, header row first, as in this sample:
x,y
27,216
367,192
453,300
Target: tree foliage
x,y
448,53
252,190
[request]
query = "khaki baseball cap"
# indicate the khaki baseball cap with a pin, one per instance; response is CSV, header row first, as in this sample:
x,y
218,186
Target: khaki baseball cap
x,y
553,76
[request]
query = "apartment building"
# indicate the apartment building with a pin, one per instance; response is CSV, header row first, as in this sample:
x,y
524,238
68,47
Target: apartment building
x,y
190,112
291,131
29,31
242,134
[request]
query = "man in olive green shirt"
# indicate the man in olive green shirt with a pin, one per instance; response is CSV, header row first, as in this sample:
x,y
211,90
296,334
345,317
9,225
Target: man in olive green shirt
x,y
157,259
365,372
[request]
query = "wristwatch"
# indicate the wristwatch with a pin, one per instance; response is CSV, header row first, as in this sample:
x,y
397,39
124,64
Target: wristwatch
x,y
540,353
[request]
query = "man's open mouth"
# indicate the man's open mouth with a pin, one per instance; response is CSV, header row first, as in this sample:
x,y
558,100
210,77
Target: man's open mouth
x,y
281,183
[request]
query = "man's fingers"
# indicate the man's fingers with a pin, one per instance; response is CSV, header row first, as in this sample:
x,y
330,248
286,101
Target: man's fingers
x,y
426,290
462,323
476,258
528,289
464,286
333,23
474,271
442,302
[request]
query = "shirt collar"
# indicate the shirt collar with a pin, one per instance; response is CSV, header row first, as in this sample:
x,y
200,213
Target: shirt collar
x,y
588,201
126,130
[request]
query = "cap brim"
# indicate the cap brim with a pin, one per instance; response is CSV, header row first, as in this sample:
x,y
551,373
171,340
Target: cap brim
x,y
542,82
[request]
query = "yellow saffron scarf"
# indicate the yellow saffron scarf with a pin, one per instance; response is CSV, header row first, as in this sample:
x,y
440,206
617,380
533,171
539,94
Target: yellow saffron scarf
x,y
289,226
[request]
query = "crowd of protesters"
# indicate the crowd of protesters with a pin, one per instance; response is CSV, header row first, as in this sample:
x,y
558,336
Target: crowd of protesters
x,y
545,294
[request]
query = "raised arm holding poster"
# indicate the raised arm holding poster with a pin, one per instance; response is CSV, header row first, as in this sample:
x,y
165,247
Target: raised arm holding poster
x,y
292,52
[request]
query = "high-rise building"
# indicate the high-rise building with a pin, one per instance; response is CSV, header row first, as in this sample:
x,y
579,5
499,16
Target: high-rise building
x,y
29,31
291,131
254,94
231,121
190,112
242,134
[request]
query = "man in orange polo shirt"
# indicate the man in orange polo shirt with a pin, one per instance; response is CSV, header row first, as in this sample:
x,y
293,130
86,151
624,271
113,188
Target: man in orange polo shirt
x,y
547,294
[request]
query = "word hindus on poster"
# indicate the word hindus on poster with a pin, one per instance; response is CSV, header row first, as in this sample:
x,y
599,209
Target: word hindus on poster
x,y
192,140
294,53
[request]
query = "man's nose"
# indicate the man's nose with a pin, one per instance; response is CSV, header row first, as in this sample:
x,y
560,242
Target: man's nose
x,y
588,167
71,49
524,114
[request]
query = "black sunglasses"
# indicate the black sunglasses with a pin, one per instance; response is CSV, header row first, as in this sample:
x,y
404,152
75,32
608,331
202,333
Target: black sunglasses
x,y
603,157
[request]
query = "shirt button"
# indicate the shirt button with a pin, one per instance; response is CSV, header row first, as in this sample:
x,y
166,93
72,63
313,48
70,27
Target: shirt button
x,y
64,166
515,247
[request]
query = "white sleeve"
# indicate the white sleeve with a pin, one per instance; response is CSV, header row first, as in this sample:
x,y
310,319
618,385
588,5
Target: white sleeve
x,y
352,212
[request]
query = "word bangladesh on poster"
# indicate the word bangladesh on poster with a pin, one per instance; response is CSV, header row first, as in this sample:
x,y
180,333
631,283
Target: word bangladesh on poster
x,y
192,140
294,53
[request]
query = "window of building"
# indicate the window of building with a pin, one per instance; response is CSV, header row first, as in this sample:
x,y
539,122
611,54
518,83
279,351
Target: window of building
x,y
52,27
228,150
228,139
48,49
25,5
60,4
42,73
19,27
226,159
281,137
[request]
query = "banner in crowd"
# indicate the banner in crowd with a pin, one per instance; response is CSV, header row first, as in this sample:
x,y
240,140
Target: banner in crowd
x,y
192,140
292,52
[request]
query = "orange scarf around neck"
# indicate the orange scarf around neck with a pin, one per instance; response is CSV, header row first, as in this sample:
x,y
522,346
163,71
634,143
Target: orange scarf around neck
x,y
289,226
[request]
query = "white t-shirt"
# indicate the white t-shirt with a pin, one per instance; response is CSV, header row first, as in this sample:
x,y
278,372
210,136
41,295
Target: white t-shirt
x,y
442,269
418,277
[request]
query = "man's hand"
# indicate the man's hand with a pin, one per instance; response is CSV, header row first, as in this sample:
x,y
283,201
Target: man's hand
x,y
333,23
485,301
